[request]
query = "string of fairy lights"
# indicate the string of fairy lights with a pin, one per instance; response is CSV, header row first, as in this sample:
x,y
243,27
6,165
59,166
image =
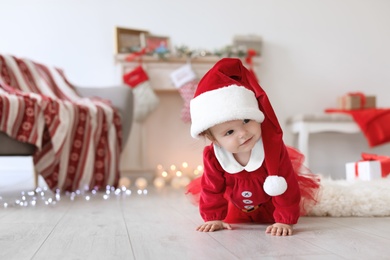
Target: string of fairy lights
x,y
175,176
42,196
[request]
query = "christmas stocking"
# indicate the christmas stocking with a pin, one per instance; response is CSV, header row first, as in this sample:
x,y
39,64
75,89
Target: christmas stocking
x,y
185,80
145,100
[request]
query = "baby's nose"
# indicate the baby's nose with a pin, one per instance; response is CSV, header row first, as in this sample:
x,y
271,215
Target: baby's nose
x,y
242,133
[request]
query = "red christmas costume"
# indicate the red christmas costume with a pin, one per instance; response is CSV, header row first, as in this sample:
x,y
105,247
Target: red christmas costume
x,y
270,188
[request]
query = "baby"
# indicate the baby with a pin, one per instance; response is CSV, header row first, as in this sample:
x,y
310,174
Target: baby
x,y
249,174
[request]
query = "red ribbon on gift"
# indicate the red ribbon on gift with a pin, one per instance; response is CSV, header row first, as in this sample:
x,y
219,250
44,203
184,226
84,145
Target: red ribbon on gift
x,y
356,169
352,94
384,161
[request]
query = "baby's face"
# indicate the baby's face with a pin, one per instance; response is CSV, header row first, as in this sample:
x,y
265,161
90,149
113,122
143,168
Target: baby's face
x,y
237,136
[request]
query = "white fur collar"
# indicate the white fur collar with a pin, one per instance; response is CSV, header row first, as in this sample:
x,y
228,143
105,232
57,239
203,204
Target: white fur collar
x,y
230,165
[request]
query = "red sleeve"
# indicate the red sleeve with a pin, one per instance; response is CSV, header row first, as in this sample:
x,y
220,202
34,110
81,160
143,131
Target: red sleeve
x,y
212,204
287,208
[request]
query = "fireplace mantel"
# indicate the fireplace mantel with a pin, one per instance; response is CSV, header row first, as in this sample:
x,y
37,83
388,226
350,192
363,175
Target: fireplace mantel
x,y
163,138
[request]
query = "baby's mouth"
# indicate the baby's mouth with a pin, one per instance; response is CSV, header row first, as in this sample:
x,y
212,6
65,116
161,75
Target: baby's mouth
x,y
247,141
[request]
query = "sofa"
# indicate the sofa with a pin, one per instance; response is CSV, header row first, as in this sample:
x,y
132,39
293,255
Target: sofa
x,y
75,135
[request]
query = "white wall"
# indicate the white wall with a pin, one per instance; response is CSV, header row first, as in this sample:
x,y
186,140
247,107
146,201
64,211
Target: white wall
x,y
314,51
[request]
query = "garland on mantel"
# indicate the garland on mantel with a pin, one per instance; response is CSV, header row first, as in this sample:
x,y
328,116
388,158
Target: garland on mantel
x,y
227,51
184,51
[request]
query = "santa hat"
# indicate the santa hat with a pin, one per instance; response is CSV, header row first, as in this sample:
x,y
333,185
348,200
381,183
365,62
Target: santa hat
x,y
210,107
229,91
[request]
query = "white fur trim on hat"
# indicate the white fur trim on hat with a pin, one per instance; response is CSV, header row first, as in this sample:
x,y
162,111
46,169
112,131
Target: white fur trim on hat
x,y
221,105
275,185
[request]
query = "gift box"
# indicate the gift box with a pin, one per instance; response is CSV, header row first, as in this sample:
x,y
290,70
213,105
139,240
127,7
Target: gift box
x,y
354,101
372,167
364,170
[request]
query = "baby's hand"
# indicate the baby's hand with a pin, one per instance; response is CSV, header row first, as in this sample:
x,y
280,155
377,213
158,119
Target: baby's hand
x,y
214,225
279,229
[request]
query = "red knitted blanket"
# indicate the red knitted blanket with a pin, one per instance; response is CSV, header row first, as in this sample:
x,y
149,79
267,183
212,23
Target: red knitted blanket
x,y
374,123
78,139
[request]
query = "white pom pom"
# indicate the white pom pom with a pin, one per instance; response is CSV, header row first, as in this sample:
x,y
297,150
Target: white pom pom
x,y
275,185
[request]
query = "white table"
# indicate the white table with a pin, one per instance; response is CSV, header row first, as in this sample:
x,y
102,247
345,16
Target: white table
x,y
305,124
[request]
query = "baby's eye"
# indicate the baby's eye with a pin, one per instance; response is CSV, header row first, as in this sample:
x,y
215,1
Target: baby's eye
x,y
230,132
246,121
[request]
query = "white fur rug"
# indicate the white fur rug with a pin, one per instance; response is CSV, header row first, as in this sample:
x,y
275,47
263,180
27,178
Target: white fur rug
x,y
341,198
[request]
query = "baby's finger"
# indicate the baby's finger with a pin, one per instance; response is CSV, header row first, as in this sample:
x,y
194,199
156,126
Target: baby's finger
x,y
207,228
213,228
202,228
268,229
289,232
285,232
227,226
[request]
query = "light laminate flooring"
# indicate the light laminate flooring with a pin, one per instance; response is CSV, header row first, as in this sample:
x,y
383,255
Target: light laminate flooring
x,y
161,225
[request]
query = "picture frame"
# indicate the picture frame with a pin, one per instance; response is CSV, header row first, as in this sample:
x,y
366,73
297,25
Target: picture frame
x,y
157,44
129,40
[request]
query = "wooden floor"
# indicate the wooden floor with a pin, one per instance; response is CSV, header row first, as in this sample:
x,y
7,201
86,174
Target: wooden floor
x,y
161,225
